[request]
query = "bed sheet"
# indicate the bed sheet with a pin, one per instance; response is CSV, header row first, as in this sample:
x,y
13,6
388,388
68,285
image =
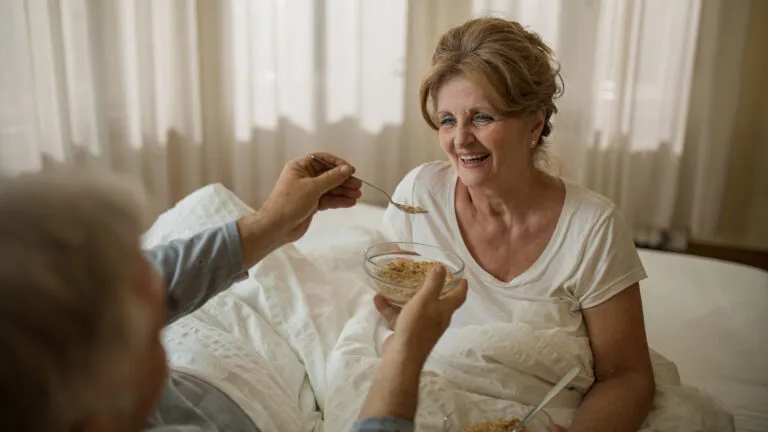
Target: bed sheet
x,y
711,318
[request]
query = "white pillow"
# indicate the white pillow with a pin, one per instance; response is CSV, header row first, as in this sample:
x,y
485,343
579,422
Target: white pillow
x,y
204,208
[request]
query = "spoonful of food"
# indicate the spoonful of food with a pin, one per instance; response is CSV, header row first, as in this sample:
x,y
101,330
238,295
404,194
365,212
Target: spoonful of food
x,y
402,207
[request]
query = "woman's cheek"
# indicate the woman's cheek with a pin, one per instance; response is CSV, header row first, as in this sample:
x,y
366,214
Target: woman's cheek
x,y
446,143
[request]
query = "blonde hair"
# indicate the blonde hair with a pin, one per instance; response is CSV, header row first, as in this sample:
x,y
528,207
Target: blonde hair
x,y
69,253
513,66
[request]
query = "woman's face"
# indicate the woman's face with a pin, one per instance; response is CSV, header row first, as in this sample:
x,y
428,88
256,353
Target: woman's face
x,y
486,149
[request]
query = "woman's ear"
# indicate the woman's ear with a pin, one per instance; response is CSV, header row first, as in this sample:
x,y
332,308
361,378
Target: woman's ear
x,y
537,120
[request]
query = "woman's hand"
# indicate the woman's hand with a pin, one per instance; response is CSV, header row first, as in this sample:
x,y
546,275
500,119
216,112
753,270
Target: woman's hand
x,y
306,187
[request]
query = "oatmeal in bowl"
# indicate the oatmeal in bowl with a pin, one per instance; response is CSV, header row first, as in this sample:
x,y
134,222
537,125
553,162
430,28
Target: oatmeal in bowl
x,y
494,415
398,269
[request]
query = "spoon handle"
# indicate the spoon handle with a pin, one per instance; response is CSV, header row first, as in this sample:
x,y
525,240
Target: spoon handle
x,y
564,381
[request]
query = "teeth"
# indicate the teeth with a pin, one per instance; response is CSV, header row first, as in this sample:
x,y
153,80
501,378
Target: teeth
x,y
471,158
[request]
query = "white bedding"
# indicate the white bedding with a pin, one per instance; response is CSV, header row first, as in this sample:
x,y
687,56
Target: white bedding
x,y
304,328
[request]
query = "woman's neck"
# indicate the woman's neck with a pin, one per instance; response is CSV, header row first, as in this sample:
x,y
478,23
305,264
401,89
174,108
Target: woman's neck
x,y
512,202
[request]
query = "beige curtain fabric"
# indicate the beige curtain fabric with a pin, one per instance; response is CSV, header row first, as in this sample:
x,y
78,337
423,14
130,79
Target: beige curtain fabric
x,y
183,93
743,214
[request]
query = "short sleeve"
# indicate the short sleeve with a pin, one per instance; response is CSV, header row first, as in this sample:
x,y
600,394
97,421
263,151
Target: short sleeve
x,y
397,225
611,262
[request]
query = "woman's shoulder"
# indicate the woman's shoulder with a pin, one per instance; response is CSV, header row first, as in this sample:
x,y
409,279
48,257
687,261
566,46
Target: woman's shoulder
x,y
587,204
599,244
429,176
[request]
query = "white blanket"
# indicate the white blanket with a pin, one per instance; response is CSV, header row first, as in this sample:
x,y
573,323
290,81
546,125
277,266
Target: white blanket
x,y
303,328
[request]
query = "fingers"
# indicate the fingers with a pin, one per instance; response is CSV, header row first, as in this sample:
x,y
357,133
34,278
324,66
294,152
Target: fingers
x,y
329,172
432,285
456,297
328,159
328,202
353,183
332,178
347,192
331,175
386,310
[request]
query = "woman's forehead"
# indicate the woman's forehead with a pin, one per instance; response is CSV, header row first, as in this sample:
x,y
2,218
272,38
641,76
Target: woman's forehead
x,y
460,92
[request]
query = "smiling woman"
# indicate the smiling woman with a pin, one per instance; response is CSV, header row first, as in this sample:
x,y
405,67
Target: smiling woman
x,y
539,250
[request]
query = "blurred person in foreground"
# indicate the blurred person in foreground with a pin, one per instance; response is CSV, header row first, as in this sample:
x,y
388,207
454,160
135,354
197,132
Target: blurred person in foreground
x,y
539,250
83,307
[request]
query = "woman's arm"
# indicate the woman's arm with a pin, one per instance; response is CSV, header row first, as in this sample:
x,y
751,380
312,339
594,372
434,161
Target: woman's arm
x,y
624,388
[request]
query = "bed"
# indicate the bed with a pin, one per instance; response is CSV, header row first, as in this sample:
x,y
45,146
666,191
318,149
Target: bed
x,y
707,319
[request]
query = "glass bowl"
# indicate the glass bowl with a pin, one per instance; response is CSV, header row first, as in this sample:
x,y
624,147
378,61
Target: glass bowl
x,y
494,410
384,263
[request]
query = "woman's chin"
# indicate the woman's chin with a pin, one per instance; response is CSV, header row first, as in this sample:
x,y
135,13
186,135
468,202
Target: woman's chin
x,y
473,178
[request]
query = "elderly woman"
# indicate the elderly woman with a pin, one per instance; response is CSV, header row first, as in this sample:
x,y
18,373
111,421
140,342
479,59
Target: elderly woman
x,y
83,307
538,248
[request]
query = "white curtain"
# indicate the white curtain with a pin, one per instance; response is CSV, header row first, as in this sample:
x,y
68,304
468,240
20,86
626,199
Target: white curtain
x,y
183,93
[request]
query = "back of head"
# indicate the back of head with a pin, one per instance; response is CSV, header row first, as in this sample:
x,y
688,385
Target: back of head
x,y
68,249
514,67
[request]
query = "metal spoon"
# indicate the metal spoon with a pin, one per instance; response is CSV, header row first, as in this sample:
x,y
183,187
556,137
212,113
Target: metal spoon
x,y
564,381
402,207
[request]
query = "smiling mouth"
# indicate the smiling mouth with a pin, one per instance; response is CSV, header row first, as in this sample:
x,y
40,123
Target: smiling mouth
x,y
474,159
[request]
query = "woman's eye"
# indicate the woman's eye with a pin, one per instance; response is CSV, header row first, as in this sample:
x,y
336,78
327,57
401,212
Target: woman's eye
x,y
483,118
447,121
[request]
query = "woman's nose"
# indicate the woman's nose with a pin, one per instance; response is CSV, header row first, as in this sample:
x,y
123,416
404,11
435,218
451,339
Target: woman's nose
x,y
463,136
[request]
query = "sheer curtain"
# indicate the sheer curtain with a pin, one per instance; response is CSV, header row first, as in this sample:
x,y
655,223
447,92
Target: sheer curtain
x,y
183,93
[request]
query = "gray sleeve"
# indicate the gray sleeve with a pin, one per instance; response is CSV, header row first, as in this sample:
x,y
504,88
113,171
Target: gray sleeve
x,y
196,269
383,424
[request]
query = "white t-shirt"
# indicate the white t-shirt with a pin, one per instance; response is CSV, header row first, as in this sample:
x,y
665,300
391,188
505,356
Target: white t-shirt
x,y
589,259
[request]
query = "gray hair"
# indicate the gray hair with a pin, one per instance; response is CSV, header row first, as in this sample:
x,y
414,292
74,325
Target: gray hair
x,y
68,256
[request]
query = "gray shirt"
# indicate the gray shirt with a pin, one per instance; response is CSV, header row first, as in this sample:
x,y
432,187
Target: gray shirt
x,y
195,270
